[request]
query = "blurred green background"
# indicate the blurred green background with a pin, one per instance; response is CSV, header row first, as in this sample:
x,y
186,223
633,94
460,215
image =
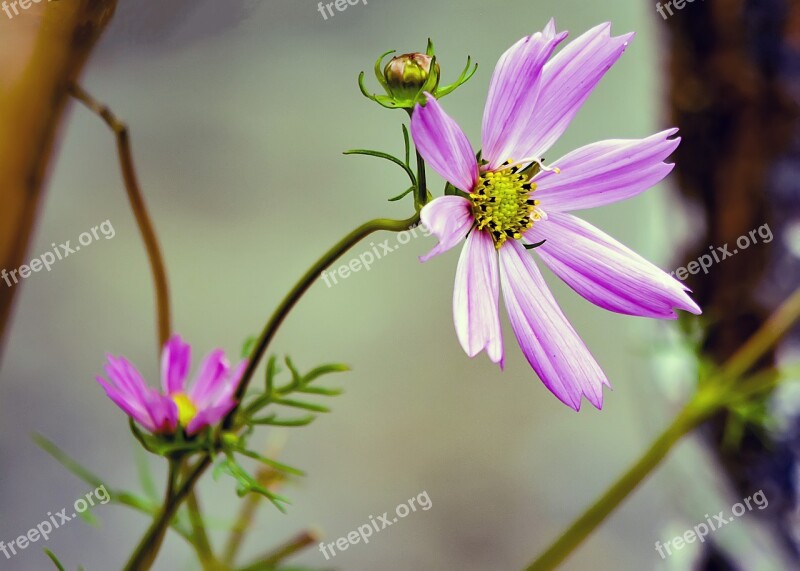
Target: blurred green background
x,y
239,114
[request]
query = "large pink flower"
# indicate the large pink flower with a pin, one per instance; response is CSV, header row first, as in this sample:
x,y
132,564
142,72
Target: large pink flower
x,y
205,403
530,104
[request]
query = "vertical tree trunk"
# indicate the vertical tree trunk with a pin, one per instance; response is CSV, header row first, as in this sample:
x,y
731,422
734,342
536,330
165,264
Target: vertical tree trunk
x,y
43,49
733,96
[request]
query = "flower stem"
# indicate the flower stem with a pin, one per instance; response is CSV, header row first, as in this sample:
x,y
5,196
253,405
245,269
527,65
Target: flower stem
x,y
708,400
200,539
271,560
145,553
159,272
148,548
422,183
301,287
776,326
138,206
686,420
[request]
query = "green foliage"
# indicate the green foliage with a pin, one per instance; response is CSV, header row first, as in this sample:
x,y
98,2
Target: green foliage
x,y
120,497
297,387
257,411
404,163
261,408
55,560
246,483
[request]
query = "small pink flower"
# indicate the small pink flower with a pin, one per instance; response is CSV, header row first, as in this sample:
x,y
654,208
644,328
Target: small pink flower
x,y
205,403
510,200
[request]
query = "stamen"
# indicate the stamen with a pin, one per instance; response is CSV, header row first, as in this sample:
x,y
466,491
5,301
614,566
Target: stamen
x,y
538,161
502,203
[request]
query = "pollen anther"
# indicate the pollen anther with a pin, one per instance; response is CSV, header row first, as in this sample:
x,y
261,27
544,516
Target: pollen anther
x,y
502,203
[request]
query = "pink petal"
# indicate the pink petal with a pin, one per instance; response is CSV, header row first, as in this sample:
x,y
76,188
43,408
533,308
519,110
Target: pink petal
x,y
124,375
449,218
164,412
443,145
567,81
224,389
129,403
210,416
476,297
605,272
213,370
218,404
513,94
551,345
606,172
175,362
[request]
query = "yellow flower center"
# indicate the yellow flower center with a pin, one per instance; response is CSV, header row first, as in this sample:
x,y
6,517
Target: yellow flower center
x,y
186,409
501,203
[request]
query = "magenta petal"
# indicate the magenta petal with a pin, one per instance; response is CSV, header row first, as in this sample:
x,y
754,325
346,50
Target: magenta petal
x,y
175,362
551,345
213,370
125,376
210,416
476,298
164,412
508,116
606,172
222,390
606,272
443,144
567,81
129,403
449,218
219,404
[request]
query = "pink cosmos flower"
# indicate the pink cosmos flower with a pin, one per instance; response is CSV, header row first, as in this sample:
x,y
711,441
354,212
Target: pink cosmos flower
x,y
205,403
530,104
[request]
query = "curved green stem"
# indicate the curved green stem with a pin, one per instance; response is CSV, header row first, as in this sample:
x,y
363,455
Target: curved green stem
x,y
580,529
708,400
148,548
301,287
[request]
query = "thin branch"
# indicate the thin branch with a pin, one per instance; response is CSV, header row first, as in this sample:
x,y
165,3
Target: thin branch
x,y
276,556
138,206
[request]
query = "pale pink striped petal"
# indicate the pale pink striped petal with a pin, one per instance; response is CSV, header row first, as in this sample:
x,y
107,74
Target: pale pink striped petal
x,y
513,94
606,272
606,172
476,298
443,145
449,218
551,345
567,81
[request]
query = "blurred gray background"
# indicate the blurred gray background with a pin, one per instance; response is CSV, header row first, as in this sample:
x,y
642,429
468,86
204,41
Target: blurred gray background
x,y
239,113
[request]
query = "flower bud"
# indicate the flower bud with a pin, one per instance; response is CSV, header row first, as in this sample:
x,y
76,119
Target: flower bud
x,y
405,78
406,75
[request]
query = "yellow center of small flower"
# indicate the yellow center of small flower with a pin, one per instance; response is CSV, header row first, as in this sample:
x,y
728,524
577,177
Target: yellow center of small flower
x,y
501,203
186,409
